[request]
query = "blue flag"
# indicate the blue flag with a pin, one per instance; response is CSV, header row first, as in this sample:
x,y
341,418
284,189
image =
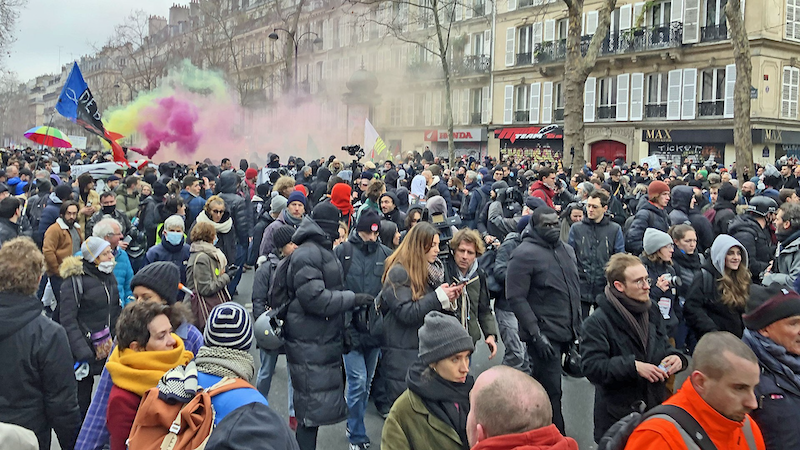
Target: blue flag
x,y
77,104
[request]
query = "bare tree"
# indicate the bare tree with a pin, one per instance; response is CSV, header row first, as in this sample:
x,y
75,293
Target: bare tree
x,y
289,16
9,13
144,56
577,67
742,136
15,115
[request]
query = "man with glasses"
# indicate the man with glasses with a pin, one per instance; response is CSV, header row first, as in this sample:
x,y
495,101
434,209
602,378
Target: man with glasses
x,y
624,347
110,230
594,240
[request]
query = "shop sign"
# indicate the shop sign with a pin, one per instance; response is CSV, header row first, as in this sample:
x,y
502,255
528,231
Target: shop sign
x,y
465,135
530,133
695,153
661,135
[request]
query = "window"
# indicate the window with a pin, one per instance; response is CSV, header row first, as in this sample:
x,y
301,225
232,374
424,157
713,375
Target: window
x,y
561,28
524,45
396,112
712,92
521,113
475,106
793,19
789,96
335,29
659,14
606,97
715,12
477,44
558,101
419,102
656,95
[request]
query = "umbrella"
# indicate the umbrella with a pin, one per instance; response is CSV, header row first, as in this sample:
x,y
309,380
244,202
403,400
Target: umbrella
x,y
49,136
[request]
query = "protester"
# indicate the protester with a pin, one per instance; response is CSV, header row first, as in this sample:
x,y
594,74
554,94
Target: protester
x,y
61,240
650,214
207,271
216,214
173,247
752,231
292,215
108,205
786,266
10,214
657,259
110,230
128,198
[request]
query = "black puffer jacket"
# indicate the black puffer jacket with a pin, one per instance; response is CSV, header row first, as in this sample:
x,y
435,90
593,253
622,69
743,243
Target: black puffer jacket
x,y
510,243
261,283
687,267
363,276
96,308
725,213
403,317
314,328
544,289
609,351
39,389
647,216
8,230
238,206
320,186
594,243
756,240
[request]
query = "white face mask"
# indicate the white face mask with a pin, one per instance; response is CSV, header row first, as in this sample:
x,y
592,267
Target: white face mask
x,y
106,266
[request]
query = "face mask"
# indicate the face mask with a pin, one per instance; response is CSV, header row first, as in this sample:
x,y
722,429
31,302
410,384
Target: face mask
x,y
216,239
106,266
550,234
175,237
109,209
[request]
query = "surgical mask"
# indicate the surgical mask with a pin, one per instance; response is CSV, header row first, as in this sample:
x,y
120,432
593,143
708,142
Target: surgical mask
x,y
109,209
549,234
216,239
174,237
106,266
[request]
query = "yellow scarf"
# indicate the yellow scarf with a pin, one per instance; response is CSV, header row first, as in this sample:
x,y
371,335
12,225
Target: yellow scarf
x,y
139,371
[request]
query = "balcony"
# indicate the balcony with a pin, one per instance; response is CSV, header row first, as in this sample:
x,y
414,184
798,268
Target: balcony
x,y
558,114
607,112
655,111
714,33
523,59
463,66
471,65
475,118
711,108
522,116
253,60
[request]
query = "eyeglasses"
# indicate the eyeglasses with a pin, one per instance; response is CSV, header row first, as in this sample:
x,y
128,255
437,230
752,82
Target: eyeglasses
x,y
217,211
644,281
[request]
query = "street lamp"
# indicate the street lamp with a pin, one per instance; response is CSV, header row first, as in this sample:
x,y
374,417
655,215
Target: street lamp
x,y
296,40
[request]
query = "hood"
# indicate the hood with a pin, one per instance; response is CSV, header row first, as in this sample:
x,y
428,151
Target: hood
x,y
70,267
310,231
547,438
55,199
16,311
392,196
720,248
402,197
682,198
744,222
323,174
724,204
418,186
228,182
391,179
538,184
486,188
437,205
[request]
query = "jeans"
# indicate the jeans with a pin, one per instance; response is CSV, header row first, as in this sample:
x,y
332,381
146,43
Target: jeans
x,y
516,352
548,373
360,368
241,258
264,377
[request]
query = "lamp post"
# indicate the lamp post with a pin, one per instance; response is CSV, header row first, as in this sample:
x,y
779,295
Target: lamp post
x,y
296,40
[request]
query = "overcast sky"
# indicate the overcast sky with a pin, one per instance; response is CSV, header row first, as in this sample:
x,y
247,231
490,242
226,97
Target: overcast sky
x,y
72,25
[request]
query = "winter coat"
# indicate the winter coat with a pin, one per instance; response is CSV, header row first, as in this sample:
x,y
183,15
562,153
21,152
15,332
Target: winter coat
x,y
8,230
402,318
252,425
39,389
688,268
479,315
411,426
725,212
266,241
786,266
128,204
647,216
440,185
667,301
540,190
238,207
545,438
683,213
320,187
314,328
205,272
482,213
543,288
501,258
497,224
594,243
609,350
194,206
150,218
756,240
362,275
96,307
93,199
57,245
261,283
49,216
123,272
262,222
176,254
704,311
226,241
395,215
124,222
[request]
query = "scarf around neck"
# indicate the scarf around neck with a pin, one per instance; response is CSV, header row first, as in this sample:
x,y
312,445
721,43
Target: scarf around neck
x,y
210,250
636,313
225,362
436,273
139,371
774,356
290,219
223,227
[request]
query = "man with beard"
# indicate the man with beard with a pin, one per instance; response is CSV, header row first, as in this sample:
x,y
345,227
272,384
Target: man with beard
x,y
724,209
786,266
650,214
545,187
748,192
388,204
543,289
63,239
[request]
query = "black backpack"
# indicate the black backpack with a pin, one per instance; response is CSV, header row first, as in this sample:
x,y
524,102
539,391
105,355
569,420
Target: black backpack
x,y
280,292
367,319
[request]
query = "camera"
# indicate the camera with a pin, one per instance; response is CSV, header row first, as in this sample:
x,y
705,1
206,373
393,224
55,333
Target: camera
x,y
354,150
443,225
674,281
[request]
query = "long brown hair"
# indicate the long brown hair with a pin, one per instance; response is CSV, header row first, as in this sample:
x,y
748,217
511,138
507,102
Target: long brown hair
x,y
734,285
411,255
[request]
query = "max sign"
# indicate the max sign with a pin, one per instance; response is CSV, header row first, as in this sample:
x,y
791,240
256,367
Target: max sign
x,y
467,135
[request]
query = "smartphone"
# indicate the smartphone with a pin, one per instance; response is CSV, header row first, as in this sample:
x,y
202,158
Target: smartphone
x,y
127,239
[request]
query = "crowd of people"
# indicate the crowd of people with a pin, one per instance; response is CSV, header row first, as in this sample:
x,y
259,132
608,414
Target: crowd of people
x,y
380,281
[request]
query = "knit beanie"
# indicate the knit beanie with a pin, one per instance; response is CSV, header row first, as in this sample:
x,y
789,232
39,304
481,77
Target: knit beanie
x,y
229,326
441,336
523,222
369,222
92,247
161,277
657,188
262,190
281,237
769,304
727,192
63,191
277,204
250,173
326,215
654,240
297,196
160,189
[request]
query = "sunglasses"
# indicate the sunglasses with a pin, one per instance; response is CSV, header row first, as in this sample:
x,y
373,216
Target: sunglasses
x,y
217,211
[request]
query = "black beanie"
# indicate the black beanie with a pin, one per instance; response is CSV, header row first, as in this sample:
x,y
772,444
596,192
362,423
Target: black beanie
x,y
368,222
161,277
281,237
63,191
769,304
160,189
326,215
727,192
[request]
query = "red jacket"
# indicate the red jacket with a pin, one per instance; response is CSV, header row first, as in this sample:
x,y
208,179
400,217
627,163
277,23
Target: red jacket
x,y
542,191
122,407
547,438
659,434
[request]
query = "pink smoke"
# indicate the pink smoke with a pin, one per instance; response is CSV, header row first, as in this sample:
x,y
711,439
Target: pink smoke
x,y
170,121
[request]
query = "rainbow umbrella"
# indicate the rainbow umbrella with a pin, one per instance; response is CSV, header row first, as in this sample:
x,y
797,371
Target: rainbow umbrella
x,y
49,136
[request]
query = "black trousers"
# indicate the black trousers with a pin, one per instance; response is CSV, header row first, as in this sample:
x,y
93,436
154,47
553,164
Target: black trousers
x,y
548,373
306,437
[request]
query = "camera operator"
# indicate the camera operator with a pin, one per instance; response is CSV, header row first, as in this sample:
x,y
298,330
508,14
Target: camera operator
x,y
500,215
436,209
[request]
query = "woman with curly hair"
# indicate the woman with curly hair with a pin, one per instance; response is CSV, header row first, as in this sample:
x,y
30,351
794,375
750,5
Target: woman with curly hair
x,y
716,299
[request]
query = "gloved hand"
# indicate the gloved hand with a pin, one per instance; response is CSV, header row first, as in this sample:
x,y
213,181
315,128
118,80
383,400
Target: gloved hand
x,y
231,270
544,349
363,300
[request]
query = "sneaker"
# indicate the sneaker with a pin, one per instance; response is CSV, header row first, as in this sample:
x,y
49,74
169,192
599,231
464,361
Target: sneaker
x,y
363,446
347,432
293,423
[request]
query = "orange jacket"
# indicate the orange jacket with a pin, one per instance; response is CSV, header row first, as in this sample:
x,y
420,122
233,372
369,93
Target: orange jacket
x,y
659,434
547,438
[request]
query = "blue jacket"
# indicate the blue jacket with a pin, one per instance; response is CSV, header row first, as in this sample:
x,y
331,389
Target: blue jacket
x,y
124,273
226,402
165,251
193,207
49,217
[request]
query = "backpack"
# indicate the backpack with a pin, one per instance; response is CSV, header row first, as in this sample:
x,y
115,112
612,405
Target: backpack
x,y
280,293
160,425
34,209
617,436
366,319
486,262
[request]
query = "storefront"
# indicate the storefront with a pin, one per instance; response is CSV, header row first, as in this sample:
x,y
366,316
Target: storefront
x,y
470,142
541,144
787,143
688,146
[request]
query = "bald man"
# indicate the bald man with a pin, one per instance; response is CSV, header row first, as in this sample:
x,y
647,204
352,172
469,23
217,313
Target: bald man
x,y
508,410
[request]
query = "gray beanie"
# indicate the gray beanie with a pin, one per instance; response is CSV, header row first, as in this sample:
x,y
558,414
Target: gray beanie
x,y
442,336
277,204
92,247
655,239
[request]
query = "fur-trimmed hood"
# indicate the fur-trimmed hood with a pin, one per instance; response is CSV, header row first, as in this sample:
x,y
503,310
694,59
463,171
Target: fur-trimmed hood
x,y
70,267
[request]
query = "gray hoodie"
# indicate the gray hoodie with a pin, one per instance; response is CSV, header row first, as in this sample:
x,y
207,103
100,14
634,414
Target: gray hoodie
x,y
720,248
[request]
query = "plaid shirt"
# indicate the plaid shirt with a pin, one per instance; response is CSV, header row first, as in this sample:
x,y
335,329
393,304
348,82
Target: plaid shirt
x,y
94,434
